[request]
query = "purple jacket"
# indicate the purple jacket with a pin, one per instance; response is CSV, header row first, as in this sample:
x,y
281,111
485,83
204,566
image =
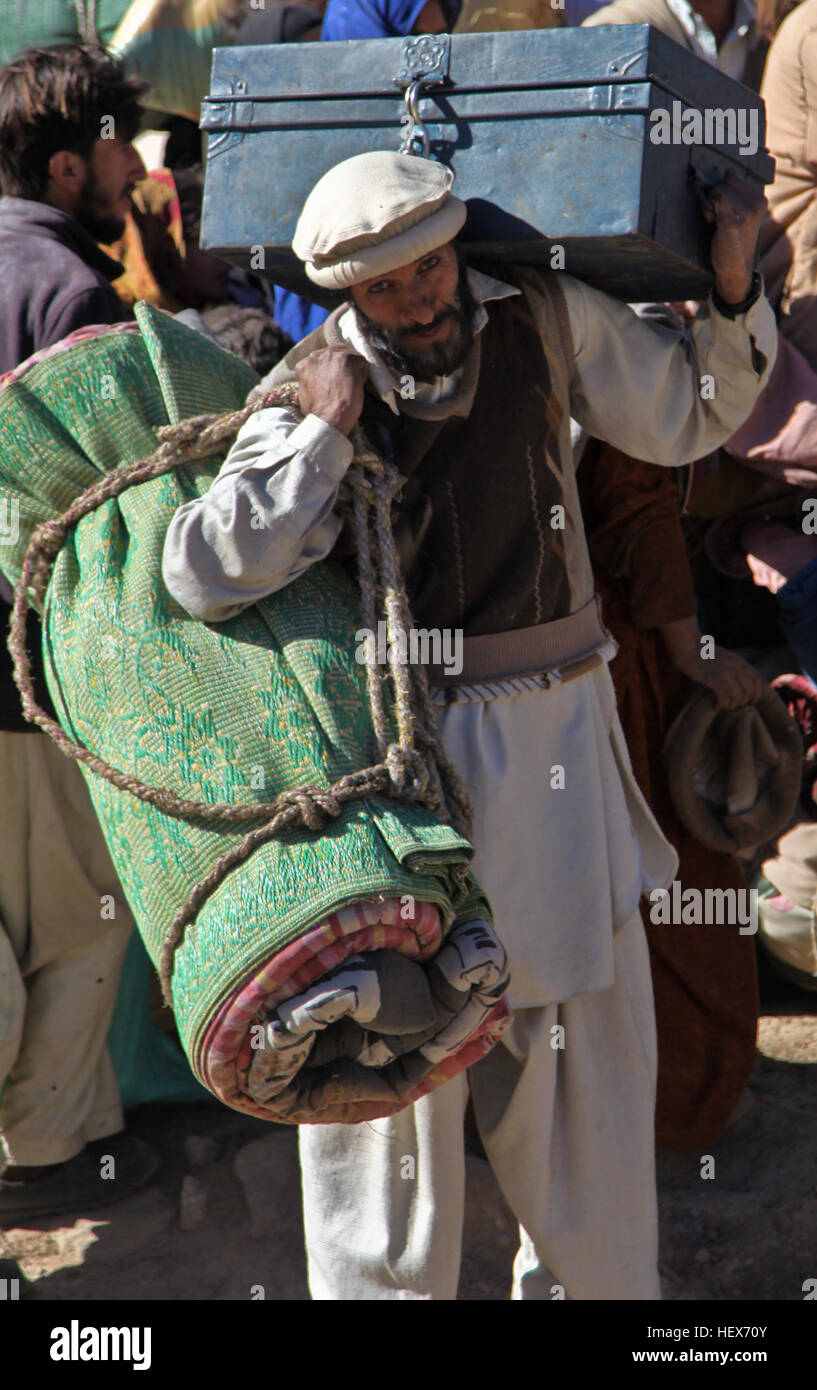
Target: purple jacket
x,y
53,280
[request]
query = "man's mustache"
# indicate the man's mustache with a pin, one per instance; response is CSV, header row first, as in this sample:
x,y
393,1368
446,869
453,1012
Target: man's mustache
x,y
424,328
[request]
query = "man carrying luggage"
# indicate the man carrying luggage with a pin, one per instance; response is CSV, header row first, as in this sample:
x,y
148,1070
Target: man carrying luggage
x,y
467,380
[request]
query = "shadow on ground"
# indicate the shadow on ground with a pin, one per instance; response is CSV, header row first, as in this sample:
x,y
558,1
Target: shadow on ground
x,y
222,1218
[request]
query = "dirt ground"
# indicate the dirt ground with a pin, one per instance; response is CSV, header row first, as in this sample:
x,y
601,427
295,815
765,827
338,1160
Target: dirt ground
x,y
222,1215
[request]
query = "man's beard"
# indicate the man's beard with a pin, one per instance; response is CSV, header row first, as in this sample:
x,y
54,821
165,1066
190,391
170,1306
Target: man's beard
x,y
102,226
442,358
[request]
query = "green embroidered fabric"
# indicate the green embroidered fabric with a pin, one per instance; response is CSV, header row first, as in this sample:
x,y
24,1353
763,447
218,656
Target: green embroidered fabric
x,y
238,712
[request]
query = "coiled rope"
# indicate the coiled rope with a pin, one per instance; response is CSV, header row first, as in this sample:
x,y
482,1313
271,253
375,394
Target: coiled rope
x,y
413,767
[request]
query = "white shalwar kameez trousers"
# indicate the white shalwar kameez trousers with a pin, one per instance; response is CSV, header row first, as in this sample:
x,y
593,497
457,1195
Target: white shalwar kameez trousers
x,y
564,1103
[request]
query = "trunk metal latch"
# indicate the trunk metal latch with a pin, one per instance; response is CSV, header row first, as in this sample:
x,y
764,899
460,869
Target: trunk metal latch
x,y
424,63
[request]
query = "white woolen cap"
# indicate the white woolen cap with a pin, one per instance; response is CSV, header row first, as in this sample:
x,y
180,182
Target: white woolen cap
x,y
373,213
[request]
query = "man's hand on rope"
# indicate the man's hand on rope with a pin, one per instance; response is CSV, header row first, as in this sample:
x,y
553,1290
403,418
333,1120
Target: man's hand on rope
x,y
330,385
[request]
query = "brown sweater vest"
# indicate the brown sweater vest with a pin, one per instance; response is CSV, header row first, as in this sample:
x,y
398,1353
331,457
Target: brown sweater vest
x,y
481,509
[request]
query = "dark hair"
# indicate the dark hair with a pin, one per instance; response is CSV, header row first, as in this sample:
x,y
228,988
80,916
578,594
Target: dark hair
x,y
55,99
190,188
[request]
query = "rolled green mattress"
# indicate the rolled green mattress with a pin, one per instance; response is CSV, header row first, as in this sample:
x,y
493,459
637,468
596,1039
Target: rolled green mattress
x,y
336,974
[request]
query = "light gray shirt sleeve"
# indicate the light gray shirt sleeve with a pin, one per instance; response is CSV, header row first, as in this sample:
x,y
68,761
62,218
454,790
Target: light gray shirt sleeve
x,y
658,393
268,516
665,395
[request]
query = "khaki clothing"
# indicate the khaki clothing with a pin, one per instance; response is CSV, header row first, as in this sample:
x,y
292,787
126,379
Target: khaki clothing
x,y
789,236
60,958
741,54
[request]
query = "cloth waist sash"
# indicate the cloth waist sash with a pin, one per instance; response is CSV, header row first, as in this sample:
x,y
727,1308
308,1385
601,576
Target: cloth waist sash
x,y
563,649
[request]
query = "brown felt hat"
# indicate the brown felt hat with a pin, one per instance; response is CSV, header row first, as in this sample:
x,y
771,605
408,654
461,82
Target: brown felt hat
x,y
734,775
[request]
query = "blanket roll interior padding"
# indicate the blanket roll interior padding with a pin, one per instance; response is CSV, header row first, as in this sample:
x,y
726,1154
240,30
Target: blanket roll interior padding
x,y
334,975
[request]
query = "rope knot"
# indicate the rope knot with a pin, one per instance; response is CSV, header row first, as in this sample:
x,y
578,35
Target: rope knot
x,y
408,771
314,807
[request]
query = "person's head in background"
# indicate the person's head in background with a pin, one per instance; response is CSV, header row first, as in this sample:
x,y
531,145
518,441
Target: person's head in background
x,y
68,115
209,275
388,19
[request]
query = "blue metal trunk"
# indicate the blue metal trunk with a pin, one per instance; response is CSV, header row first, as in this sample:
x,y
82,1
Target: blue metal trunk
x,y
584,139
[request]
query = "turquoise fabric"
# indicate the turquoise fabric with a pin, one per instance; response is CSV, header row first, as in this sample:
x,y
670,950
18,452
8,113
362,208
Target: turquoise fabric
x,y
149,1068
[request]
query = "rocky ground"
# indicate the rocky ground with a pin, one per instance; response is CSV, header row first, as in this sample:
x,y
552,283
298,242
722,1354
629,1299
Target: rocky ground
x,y
222,1216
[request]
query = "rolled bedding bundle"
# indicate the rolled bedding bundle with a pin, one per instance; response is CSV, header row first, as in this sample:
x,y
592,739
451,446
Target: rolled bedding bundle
x,y
338,967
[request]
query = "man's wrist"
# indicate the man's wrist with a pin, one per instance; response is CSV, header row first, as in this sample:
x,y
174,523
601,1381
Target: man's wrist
x,y
336,419
329,449
730,308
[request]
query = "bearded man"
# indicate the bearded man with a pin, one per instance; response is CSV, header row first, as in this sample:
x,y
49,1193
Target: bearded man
x,y
67,118
468,380
67,165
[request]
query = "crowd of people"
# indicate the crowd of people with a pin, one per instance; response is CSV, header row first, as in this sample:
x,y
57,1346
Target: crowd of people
x,y
701,544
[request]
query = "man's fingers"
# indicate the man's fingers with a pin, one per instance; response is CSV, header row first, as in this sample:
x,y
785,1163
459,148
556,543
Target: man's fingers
x,y
733,182
705,190
330,386
737,202
726,696
735,682
730,198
